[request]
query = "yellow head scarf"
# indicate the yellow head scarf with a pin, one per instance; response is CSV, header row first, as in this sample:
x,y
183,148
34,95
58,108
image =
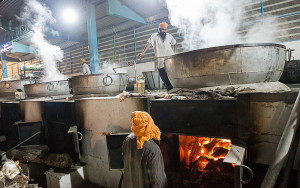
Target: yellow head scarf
x,y
83,60
143,127
163,25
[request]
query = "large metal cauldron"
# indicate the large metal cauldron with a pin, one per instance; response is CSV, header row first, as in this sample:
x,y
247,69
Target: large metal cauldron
x,y
291,72
103,84
8,88
47,89
226,65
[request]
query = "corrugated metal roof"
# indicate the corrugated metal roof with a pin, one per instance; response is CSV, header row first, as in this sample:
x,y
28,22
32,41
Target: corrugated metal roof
x,y
117,28
109,21
106,24
10,8
101,10
63,43
146,8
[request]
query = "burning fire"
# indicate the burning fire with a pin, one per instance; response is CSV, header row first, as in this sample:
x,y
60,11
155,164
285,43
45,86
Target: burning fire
x,y
198,150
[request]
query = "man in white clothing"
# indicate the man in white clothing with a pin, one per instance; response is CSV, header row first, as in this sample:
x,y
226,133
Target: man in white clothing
x,y
162,43
85,67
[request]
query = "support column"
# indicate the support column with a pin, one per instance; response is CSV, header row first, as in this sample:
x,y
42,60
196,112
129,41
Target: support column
x,y
262,10
92,37
4,65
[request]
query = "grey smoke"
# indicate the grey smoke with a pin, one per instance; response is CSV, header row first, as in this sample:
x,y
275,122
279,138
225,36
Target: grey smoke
x,y
207,23
39,19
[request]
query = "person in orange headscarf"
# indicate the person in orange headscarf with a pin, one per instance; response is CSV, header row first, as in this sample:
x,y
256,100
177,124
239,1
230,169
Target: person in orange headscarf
x,y
143,161
162,43
85,67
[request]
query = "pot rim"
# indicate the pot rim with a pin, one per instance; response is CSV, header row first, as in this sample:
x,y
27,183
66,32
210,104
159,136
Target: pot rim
x,y
100,74
4,81
227,47
42,83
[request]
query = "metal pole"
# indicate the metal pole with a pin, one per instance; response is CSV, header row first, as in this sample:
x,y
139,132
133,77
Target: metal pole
x,y
115,48
21,143
24,70
4,65
70,62
262,9
135,72
92,38
18,69
134,45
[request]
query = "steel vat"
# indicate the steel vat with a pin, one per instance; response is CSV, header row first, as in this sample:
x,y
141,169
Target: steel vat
x,y
8,88
47,89
226,65
99,84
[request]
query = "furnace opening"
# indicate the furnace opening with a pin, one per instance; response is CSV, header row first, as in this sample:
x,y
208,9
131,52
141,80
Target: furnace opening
x,y
201,160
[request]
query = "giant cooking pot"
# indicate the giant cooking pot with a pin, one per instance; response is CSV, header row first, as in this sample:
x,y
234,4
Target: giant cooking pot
x,y
8,88
226,65
291,72
47,89
103,84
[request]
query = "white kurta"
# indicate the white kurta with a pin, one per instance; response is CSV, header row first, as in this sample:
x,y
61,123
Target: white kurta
x,y
85,69
162,47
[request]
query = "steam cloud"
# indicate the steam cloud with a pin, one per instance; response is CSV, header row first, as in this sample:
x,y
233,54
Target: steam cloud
x,y
38,18
208,23
296,46
107,67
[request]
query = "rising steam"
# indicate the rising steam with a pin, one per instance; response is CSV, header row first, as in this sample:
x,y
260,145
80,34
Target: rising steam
x,y
207,23
39,19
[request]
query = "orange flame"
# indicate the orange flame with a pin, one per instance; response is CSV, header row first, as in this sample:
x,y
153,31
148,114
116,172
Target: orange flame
x,y
199,149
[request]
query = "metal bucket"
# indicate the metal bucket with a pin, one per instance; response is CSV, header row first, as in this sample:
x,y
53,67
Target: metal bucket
x,y
153,80
103,84
8,88
226,65
131,82
47,89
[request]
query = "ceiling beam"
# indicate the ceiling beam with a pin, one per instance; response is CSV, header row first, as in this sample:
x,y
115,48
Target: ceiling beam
x,y
116,8
18,47
12,59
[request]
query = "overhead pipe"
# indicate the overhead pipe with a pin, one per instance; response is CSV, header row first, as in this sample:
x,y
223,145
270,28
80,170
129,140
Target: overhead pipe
x,y
4,66
71,62
115,48
283,146
92,39
135,56
262,9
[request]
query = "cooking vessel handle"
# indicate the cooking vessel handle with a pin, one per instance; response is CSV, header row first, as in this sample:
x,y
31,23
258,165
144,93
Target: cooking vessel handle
x,y
81,136
251,174
7,85
107,80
